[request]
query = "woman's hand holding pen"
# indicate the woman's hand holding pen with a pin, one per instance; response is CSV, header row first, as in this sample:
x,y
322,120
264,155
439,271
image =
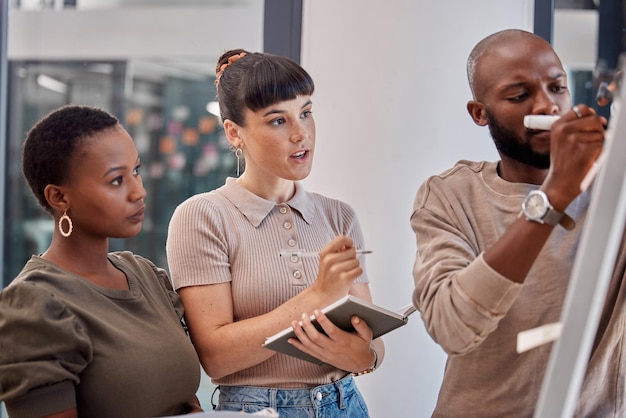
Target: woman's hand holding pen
x,y
338,268
351,351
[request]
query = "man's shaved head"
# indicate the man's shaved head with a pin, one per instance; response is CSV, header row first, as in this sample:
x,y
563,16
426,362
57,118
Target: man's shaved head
x,y
507,38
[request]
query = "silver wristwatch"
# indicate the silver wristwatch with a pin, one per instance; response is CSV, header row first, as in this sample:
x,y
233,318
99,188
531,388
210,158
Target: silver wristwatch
x,y
536,207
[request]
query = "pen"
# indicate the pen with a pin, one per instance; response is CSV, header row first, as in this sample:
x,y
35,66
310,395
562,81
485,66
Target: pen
x,y
288,253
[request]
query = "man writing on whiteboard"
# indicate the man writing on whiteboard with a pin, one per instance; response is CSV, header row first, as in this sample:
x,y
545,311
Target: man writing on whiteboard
x,y
496,241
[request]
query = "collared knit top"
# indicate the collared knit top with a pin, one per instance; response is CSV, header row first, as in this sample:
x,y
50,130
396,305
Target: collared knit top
x,y
232,235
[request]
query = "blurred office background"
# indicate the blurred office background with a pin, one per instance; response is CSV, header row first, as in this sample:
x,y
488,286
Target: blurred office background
x,y
389,105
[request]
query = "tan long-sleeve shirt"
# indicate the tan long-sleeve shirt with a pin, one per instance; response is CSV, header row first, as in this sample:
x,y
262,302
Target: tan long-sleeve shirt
x,y
475,314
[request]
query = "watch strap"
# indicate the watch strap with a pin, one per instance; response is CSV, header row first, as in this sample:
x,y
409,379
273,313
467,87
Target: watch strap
x,y
567,222
553,217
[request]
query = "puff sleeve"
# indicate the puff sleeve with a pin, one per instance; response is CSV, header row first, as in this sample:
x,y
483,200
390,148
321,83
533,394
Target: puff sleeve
x,y
43,348
168,288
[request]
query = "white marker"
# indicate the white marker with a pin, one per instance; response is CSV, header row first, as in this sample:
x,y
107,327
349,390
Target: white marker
x,y
538,336
540,122
544,123
591,174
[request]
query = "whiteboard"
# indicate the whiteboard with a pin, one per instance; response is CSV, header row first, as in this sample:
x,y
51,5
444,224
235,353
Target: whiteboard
x,y
591,276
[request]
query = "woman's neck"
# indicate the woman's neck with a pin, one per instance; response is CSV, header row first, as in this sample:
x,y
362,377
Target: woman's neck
x,y
89,261
278,191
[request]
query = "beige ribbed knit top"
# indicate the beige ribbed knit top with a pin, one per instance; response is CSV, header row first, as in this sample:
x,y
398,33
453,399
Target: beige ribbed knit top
x,y
232,235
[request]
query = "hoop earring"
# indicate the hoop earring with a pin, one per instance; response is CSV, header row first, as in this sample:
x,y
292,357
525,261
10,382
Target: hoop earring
x,y
238,154
69,224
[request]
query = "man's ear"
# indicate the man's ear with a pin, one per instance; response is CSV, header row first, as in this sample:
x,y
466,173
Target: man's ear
x,y
231,129
477,112
56,198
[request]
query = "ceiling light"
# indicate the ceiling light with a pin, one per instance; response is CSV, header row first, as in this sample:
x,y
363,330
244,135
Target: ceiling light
x,y
51,84
213,108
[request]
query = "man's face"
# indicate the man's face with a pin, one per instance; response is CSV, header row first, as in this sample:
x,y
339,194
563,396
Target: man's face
x,y
517,81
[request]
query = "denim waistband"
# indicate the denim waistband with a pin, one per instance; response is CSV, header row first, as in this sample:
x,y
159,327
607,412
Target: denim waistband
x,y
335,392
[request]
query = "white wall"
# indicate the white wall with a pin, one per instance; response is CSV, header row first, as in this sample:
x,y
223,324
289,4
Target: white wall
x,y
390,110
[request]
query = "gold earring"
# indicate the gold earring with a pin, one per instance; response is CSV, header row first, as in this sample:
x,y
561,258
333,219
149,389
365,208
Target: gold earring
x,y
69,224
238,154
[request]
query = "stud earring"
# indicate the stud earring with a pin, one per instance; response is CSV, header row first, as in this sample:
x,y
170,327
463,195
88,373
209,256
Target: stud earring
x,y
69,225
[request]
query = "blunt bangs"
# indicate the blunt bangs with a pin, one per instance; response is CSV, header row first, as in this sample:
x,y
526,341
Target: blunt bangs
x,y
271,82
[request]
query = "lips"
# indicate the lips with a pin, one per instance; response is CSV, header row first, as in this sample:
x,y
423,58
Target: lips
x,y
543,135
300,154
139,215
537,133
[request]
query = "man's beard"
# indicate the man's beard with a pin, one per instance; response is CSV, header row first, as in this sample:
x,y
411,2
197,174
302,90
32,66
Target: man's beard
x,y
513,146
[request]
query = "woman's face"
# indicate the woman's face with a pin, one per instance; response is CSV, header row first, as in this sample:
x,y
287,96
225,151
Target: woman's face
x,y
278,141
105,191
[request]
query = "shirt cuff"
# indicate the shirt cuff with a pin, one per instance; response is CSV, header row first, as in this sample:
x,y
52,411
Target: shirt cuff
x,y
45,400
488,288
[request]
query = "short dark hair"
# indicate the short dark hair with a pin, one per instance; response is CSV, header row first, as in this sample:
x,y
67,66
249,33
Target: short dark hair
x,y
257,80
52,142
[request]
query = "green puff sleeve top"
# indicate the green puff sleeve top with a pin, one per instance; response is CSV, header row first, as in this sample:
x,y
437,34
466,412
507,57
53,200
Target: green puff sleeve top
x,y
66,342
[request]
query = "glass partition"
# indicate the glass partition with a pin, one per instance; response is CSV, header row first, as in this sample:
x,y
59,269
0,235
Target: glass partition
x,y
149,62
154,75
589,37
181,145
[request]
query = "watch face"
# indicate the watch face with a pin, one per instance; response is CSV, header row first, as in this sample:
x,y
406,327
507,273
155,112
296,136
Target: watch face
x,y
535,206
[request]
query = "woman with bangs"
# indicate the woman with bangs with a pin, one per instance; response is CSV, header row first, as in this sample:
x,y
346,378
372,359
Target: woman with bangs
x,y
224,249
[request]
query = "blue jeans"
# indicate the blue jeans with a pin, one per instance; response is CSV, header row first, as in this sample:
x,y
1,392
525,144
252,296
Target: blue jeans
x,y
338,399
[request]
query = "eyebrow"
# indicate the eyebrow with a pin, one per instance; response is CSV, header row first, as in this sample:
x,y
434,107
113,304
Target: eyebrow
x,y
271,111
556,77
121,167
